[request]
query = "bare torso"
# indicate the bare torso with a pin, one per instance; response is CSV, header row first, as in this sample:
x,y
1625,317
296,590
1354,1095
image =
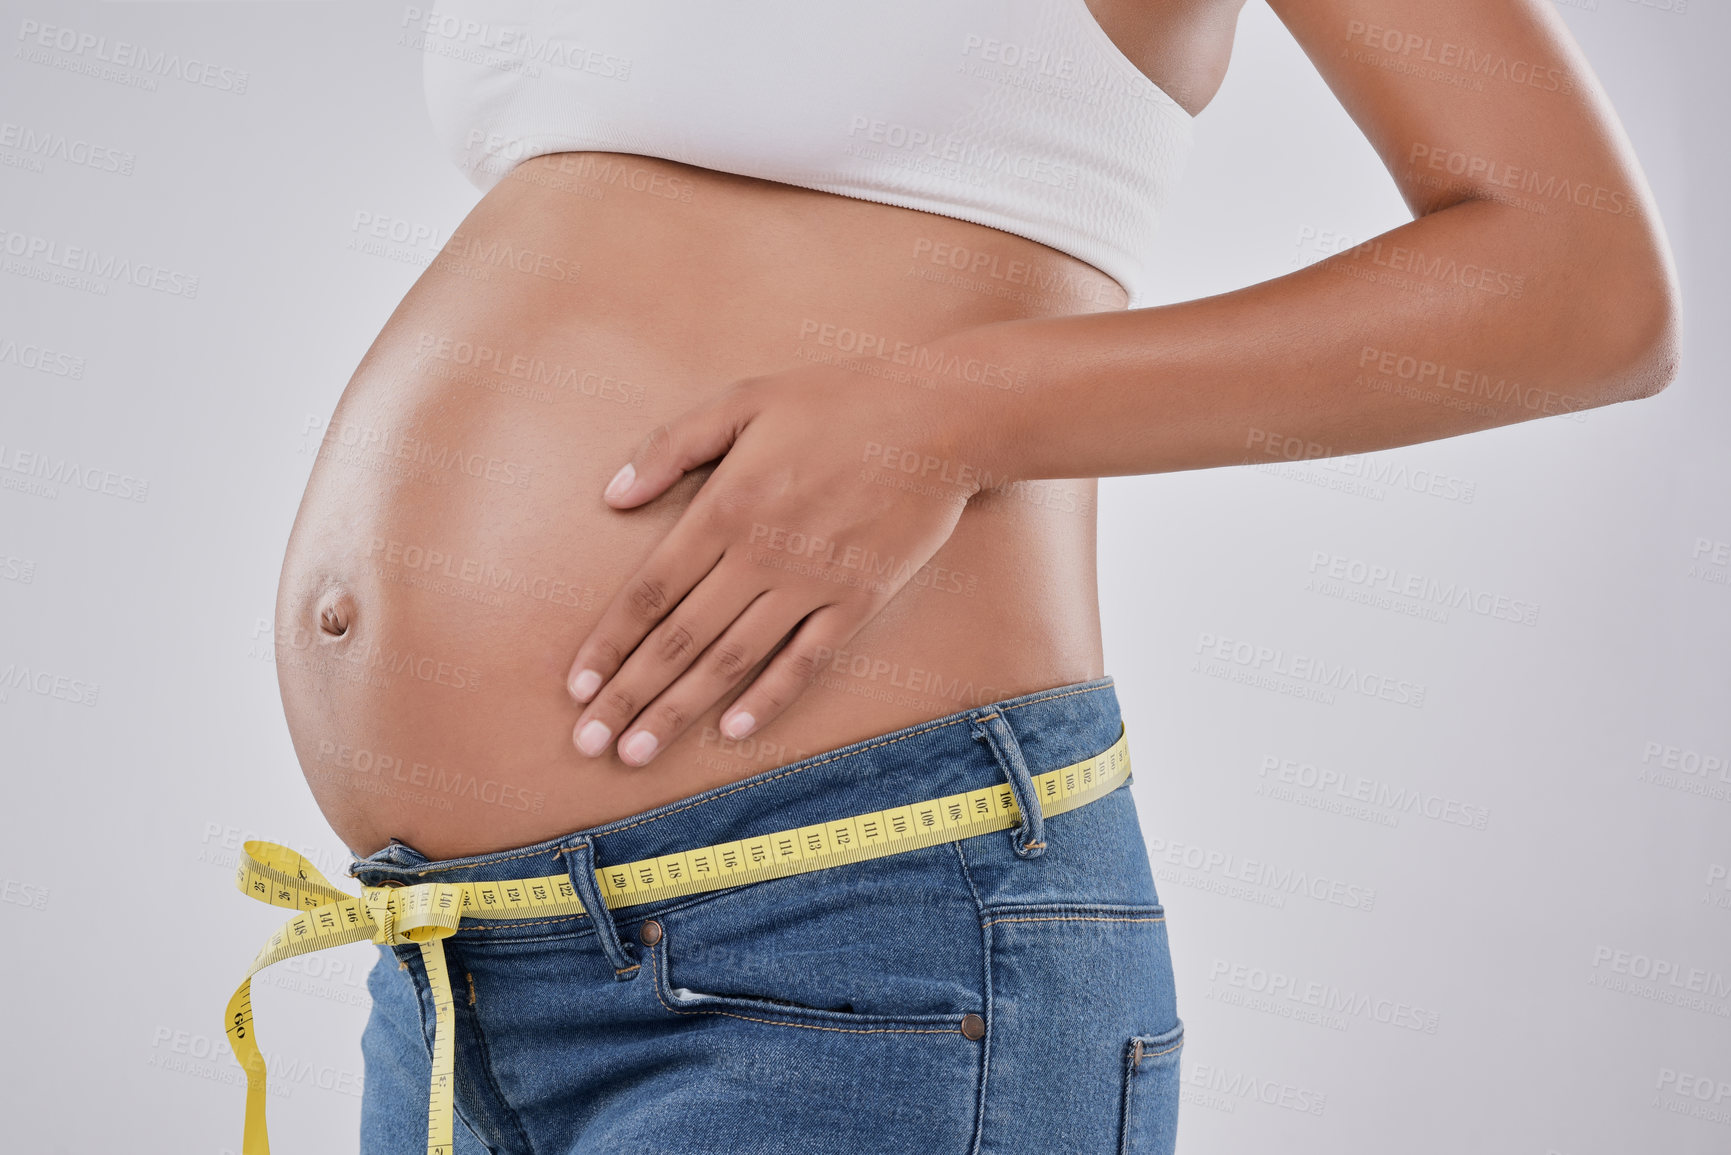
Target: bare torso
x,y
452,548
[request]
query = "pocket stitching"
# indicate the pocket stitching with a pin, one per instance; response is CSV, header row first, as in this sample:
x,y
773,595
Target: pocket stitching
x,y
1082,907
1074,918
657,957
1073,911
1133,1068
1173,1035
1156,1054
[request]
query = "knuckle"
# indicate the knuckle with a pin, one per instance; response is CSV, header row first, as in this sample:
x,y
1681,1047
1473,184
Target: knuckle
x,y
740,501
677,643
772,699
607,653
727,506
740,397
618,703
803,665
659,441
648,598
730,660
670,718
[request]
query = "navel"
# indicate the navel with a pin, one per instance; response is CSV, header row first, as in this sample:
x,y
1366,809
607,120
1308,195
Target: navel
x,y
336,612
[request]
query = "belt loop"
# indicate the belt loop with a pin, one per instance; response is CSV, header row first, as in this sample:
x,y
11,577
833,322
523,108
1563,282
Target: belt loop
x,y
989,725
580,862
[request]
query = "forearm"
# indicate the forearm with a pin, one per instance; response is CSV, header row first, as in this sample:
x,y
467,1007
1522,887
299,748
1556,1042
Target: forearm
x,y
1473,316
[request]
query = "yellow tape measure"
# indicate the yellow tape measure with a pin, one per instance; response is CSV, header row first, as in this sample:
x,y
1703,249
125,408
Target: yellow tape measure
x,y
425,913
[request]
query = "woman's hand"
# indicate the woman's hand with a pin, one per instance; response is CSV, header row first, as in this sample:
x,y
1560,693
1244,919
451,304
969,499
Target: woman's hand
x,y
809,521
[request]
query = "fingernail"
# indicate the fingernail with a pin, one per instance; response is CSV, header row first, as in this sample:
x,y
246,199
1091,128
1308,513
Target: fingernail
x,y
592,738
638,748
584,685
737,724
621,482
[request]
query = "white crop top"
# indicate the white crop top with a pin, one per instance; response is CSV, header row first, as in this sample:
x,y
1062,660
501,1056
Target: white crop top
x,y
1022,115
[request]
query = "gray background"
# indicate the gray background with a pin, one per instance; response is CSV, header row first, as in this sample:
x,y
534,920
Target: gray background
x,y
1579,749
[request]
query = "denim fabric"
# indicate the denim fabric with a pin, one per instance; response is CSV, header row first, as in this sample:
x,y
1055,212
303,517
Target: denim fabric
x,y
821,1012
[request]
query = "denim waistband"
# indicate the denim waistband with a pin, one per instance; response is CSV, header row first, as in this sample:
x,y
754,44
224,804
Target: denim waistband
x,y
958,752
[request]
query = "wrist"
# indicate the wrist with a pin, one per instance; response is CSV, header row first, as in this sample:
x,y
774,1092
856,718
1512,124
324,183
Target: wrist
x,y
980,383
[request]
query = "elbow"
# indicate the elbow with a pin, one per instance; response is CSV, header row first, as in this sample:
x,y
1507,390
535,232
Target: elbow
x,y
1662,357
1648,344
1633,320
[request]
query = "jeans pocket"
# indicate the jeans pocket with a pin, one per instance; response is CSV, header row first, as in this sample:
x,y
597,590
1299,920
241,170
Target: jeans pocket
x,y
895,939
1072,985
1150,1120
755,1072
756,993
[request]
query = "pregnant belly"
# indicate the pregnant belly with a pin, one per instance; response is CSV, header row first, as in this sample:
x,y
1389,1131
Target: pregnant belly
x,y
452,548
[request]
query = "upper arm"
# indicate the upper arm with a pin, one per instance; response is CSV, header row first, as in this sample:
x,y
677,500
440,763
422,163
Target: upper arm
x,y
1490,102
1486,99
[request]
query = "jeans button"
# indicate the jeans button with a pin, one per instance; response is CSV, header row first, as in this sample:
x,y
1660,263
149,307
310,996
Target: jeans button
x,y
973,1027
649,933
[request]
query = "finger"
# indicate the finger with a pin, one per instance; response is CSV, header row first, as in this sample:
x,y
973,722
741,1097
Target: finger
x,y
671,450
674,568
665,653
792,670
716,671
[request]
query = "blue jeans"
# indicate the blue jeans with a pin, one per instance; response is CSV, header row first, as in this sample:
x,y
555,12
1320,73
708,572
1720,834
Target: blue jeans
x,y
1008,993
